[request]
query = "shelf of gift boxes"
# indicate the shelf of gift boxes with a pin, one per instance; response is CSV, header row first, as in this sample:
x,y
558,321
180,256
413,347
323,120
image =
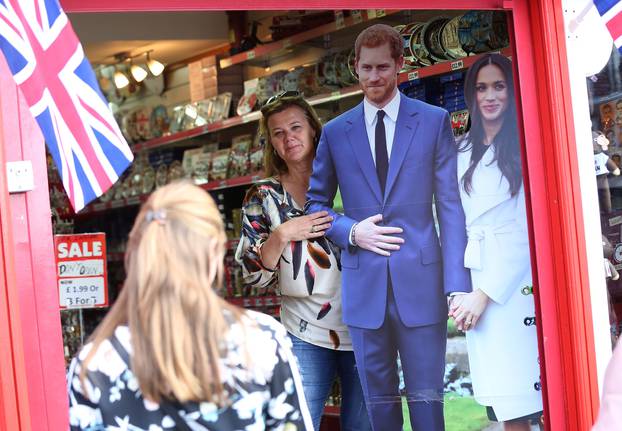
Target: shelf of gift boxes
x,y
444,67
99,207
239,120
341,22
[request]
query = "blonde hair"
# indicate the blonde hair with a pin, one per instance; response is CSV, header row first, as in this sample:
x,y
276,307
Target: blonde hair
x,y
177,322
272,162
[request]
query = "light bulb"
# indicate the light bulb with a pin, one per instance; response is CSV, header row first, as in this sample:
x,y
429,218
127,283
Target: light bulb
x,y
155,67
138,73
120,80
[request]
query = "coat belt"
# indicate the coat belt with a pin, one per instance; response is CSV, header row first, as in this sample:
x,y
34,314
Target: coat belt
x,y
485,234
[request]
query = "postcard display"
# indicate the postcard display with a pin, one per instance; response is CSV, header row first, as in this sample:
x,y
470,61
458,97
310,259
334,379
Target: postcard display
x,y
215,142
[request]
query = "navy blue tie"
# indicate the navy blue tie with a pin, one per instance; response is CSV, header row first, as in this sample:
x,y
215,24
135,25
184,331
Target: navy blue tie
x,y
382,157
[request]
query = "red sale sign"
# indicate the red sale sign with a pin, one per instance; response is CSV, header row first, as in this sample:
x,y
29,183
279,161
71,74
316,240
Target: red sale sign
x,y
81,270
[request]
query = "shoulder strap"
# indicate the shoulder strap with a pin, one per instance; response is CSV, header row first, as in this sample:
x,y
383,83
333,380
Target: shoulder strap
x,y
165,404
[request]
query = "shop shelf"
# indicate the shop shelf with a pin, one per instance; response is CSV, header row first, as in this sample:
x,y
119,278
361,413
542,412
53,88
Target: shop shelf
x,y
236,121
444,67
232,182
283,44
423,72
164,141
100,207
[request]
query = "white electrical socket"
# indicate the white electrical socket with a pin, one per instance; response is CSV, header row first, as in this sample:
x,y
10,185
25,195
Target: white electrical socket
x,y
19,176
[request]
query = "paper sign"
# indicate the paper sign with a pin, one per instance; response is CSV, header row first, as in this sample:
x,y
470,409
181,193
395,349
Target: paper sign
x,y
81,270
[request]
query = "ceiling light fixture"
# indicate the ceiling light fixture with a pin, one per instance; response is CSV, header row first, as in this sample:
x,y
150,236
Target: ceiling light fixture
x,y
155,67
138,73
120,80
127,72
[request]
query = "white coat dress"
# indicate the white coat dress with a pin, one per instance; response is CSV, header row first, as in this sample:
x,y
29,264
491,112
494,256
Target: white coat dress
x,y
503,347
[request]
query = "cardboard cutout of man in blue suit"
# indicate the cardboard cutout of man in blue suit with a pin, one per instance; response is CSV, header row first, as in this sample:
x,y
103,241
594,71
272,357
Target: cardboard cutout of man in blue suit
x,y
390,167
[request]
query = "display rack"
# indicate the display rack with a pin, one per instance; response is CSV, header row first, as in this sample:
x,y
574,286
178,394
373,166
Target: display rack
x,y
340,23
445,67
354,90
100,207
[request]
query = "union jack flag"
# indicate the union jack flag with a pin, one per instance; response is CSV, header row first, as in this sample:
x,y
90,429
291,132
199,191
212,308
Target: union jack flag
x,y
611,12
58,83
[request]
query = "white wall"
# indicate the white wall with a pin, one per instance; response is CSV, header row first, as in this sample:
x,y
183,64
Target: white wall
x,y
589,46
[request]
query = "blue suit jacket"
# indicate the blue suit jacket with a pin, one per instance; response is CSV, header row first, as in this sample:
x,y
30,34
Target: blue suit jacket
x,y
422,167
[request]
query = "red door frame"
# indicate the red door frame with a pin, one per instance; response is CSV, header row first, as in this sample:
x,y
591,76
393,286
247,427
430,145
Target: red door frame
x,y
39,350
567,342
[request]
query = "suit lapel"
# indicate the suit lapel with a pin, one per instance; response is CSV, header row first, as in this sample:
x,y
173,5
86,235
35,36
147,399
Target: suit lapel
x,y
405,129
357,136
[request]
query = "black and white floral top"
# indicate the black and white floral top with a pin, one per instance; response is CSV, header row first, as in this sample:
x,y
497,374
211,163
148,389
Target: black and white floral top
x,y
268,396
308,275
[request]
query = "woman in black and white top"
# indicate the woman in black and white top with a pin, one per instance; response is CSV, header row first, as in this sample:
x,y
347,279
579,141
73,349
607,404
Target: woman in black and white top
x,y
171,354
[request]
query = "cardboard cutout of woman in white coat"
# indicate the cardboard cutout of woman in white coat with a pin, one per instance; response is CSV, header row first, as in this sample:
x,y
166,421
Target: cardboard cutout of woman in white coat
x,y
499,315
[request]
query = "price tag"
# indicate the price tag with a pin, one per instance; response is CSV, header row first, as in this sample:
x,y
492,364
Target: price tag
x,y
413,75
247,118
357,16
335,94
246,302
250,54
269,302
81,292
99,206
258,302
117,204
81,270
380,13
287,43
371,13
339,20
458,64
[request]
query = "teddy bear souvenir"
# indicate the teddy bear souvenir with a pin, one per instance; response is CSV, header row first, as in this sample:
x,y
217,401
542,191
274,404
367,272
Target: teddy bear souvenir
x,y
603,166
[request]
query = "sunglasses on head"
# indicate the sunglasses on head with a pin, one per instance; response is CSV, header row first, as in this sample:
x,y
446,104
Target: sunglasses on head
x,y
284,95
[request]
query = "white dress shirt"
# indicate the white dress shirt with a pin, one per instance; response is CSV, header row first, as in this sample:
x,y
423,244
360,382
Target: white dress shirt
x,y
391,110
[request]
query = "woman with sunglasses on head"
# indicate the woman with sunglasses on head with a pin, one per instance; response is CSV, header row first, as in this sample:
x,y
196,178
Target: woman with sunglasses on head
x,y
499,314
284,249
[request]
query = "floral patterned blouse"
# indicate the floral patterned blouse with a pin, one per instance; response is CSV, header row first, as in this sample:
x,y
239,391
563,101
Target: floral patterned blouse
x,y
308,275
268,396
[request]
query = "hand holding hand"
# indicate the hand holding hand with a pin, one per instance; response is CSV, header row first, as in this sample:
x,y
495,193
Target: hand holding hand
x,y
453,302
468,310
304,227
378,239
